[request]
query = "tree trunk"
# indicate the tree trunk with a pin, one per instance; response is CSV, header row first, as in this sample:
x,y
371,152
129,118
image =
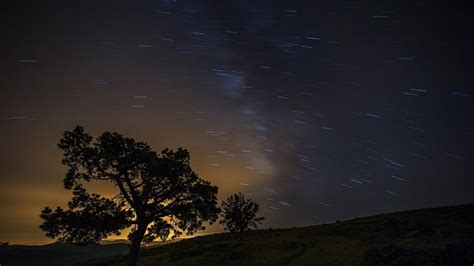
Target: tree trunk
x,y
135,247
241,234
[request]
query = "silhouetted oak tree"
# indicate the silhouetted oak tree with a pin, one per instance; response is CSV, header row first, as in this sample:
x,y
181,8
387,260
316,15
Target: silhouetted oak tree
x,y
158,195
240,214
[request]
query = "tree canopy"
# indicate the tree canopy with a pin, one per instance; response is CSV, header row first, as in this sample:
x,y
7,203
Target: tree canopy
x,y
158,195
239,214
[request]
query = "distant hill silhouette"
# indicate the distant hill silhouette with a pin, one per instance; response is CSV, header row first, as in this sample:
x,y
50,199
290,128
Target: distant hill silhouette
x,y
437,236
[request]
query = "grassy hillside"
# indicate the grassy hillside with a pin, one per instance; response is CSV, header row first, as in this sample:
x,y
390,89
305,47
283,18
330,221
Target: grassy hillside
x,y
439,236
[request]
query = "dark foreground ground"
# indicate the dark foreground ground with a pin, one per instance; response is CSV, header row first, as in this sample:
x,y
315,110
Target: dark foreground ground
x,y
439,236
56,254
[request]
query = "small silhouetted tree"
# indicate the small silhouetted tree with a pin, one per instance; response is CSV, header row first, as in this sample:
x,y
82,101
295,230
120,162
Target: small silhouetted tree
x,y
239,214
158,195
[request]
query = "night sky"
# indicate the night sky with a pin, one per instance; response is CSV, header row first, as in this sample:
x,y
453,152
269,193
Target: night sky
x,y
318,110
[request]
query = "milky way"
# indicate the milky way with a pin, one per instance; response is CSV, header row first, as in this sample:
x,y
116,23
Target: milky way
x,y
319,111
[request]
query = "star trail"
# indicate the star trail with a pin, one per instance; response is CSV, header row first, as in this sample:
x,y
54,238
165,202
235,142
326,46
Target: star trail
x,y
318,110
